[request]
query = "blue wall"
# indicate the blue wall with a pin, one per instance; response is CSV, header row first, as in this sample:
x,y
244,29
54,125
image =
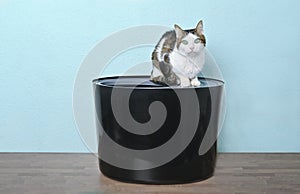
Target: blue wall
x,y
256,44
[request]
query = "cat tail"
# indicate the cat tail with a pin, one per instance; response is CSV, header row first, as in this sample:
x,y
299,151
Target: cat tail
x,y
161,61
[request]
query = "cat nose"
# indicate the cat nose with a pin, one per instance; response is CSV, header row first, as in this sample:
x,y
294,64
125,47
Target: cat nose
x,y
192,48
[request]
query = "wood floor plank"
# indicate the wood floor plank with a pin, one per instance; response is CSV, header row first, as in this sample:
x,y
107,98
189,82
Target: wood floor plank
x,y
78,173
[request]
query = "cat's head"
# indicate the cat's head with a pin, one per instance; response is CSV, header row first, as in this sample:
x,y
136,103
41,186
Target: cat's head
x,y
190,41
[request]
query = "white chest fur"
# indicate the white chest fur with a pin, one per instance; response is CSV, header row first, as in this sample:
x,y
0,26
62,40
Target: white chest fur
x,y
187,65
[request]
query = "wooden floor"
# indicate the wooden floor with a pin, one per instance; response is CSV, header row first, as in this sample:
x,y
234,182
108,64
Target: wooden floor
x,y
78,173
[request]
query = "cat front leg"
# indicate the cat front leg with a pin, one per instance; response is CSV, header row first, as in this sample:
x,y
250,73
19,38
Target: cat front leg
x,y
195,82
184,81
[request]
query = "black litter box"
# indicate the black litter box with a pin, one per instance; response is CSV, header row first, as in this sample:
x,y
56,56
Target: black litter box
x,y
187,163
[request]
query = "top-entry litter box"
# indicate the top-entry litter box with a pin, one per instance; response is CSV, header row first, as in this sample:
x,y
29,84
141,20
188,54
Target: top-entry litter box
x,y
155,134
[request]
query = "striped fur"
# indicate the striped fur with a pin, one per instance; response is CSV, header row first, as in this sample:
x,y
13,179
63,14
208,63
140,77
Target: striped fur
x,y
160,59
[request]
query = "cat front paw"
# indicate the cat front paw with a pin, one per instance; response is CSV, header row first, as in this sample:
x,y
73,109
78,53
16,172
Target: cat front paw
x,y
183,85
195,82
184,82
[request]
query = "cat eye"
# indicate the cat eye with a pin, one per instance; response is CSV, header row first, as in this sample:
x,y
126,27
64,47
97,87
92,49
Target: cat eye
x,y
197,41
185,42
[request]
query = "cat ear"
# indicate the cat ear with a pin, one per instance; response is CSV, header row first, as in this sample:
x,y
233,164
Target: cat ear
x,y
179,32
199,27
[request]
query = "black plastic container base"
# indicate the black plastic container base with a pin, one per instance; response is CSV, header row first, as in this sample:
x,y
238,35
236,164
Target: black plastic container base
x,y
188,166
167,174
142,179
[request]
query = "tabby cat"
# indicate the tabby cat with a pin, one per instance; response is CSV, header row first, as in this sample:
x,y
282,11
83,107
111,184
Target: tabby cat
x,y
179,56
